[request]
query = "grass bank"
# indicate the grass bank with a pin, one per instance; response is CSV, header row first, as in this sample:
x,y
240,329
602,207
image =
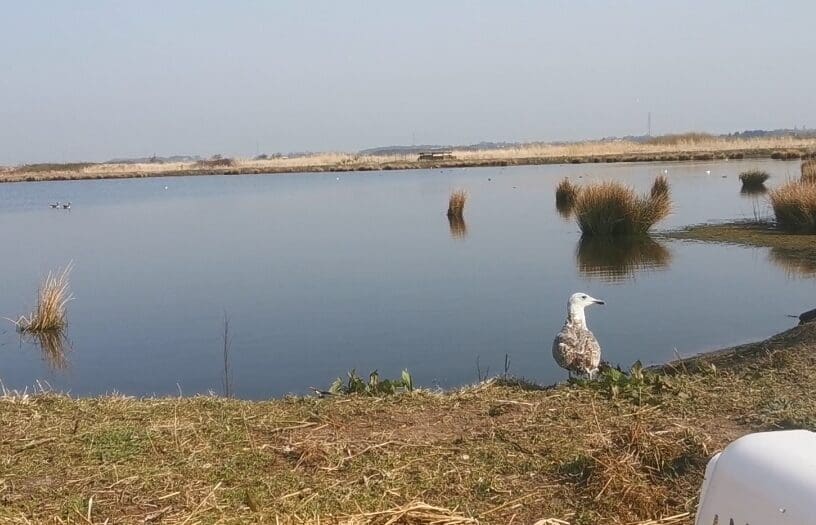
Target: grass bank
x,y
699,147
622,450
794,252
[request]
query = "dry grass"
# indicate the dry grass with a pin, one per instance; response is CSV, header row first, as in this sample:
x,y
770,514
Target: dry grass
x,y
52,298
456,203
613,209
619,259
809,170
794,206
673,148
660,188
753,178
593,453
566,193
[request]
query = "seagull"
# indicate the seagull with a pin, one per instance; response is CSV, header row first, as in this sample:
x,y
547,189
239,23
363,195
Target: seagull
x,y
55,205
66,206
708,172
575,347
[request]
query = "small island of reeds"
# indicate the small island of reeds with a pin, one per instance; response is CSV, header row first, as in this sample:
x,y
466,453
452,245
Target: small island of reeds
x,y
456,203
753,179
614,209
52,298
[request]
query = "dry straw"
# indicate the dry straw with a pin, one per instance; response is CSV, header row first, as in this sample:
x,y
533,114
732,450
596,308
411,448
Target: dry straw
x,y
613,209
50,313
753,178
566,193
809,170
794,206
456,203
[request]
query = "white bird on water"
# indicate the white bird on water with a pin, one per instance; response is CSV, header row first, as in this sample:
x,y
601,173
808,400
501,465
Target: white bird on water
x,y
575,347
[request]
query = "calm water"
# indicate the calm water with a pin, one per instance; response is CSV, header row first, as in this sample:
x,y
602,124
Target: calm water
x,y
320,275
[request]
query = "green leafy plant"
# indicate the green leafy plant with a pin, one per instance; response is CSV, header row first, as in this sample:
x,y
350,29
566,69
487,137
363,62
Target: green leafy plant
x,y
638,385
375,386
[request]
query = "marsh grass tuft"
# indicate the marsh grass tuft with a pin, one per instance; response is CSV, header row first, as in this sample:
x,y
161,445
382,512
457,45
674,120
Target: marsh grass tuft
x,y
809,170
753,178
660,187
456,203
794,205
566,193
613,209
53,296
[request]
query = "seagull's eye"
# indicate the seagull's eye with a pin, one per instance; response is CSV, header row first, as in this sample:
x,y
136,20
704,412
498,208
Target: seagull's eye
x,y
583,297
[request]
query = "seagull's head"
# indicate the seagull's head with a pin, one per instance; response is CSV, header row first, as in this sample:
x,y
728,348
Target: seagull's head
x,y
582,300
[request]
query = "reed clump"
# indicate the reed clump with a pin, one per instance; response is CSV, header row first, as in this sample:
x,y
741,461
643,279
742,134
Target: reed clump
x,y
566,193
660,187
456,203
50,313
614,209
794,206
809,171
753,178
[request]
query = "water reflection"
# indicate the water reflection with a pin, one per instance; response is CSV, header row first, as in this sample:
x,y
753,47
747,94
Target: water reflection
x,y
616,260
753,190
458,227
564,208
793,262
54,346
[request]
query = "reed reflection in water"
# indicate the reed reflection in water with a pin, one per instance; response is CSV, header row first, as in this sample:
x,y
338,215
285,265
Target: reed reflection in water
x,y
54,346
458,226
753,190
793,262
618,259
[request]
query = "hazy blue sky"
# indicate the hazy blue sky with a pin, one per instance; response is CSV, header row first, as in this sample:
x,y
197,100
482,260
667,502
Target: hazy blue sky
x,y
94,80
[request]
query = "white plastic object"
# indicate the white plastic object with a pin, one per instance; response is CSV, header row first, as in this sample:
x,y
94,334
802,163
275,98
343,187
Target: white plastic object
x,y
767,478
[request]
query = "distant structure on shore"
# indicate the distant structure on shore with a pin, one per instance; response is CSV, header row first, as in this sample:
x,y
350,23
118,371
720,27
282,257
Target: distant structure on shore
x,y
436,155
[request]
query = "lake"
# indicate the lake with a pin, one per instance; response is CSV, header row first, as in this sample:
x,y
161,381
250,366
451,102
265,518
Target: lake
x,y
321,273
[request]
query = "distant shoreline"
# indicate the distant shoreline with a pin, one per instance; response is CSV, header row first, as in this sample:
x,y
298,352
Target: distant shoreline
x,y
583,153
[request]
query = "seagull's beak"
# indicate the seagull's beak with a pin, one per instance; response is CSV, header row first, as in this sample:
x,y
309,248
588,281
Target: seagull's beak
x,y
598,301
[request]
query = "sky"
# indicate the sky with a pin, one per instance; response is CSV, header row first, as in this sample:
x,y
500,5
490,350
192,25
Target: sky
x,y
90,80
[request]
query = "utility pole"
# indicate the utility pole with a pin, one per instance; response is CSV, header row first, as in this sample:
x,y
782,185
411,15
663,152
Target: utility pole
x,y
649,125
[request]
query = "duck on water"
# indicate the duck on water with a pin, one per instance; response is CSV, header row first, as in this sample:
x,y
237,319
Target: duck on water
x,y
575,347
